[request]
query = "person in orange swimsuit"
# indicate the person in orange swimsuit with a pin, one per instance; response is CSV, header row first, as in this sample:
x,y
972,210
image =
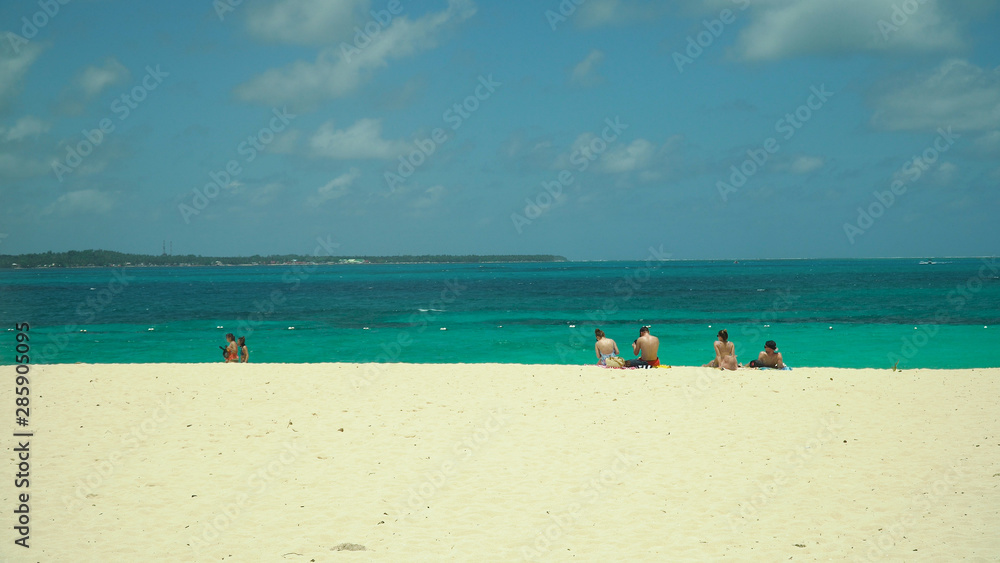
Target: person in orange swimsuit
x,y
646,347
230,351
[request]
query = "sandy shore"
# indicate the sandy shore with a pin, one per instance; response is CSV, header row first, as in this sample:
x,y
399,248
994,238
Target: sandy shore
x,y
299,463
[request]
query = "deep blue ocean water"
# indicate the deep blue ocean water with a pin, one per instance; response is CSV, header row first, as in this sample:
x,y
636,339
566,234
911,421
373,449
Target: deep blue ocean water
x,y
842,313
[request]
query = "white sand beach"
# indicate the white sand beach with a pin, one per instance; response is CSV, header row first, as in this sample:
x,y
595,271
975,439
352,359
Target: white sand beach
x,y
486,462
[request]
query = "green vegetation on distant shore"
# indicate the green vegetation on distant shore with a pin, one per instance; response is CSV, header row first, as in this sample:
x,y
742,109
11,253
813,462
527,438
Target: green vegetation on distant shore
x,y
104,258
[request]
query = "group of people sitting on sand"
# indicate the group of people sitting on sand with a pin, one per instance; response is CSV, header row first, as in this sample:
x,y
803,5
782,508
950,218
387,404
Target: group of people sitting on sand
x,y
235,351
647,347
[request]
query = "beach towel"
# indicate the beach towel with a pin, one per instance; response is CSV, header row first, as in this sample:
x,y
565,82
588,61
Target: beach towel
x,y
635,367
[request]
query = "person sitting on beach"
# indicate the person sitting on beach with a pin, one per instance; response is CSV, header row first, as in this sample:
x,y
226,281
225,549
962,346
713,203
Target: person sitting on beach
x,y
646,347
725,353
230,353
604,347
769,358
244,354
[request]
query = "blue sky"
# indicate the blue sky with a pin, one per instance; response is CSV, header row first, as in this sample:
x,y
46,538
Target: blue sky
x,y
594,129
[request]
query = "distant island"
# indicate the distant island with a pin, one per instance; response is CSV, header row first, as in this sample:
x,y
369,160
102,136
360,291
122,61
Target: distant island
x,y
108,258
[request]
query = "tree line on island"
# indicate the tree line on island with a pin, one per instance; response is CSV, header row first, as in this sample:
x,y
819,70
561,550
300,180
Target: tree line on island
x,y
108,258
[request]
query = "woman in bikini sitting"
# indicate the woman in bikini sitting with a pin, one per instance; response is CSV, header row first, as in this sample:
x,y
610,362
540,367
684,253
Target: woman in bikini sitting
x,y
725,353
604,347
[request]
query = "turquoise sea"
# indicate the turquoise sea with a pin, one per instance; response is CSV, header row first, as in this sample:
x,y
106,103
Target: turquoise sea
x,y
841,313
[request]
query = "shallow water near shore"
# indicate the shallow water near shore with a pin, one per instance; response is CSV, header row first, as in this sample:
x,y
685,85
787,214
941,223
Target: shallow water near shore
x,y
838,313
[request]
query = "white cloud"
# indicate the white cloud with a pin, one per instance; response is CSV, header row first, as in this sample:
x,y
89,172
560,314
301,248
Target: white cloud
x,y
614,158
308,22
285,143
580,147
93,80
336,188
596,13
14,64
430,197
805,164
788,28
361,140
625,158
17,166
957,94
81,201
989,142
945,172
338,71
27,126
585,72
265,194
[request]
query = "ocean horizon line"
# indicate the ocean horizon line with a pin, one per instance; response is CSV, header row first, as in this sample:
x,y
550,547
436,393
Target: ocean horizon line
x,y
405,262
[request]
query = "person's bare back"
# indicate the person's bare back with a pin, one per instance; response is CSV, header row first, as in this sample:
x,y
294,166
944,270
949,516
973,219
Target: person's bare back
x,y
604,347
646,346
725,353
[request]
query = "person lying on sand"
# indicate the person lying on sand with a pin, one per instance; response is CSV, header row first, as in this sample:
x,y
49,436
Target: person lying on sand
x,y
769,358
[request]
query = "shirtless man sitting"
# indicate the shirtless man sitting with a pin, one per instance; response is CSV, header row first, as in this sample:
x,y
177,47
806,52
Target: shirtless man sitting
x,y
769,358
646,347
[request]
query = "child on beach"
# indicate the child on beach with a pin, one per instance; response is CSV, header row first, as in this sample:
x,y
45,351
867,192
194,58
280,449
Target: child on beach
x,y
244,355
